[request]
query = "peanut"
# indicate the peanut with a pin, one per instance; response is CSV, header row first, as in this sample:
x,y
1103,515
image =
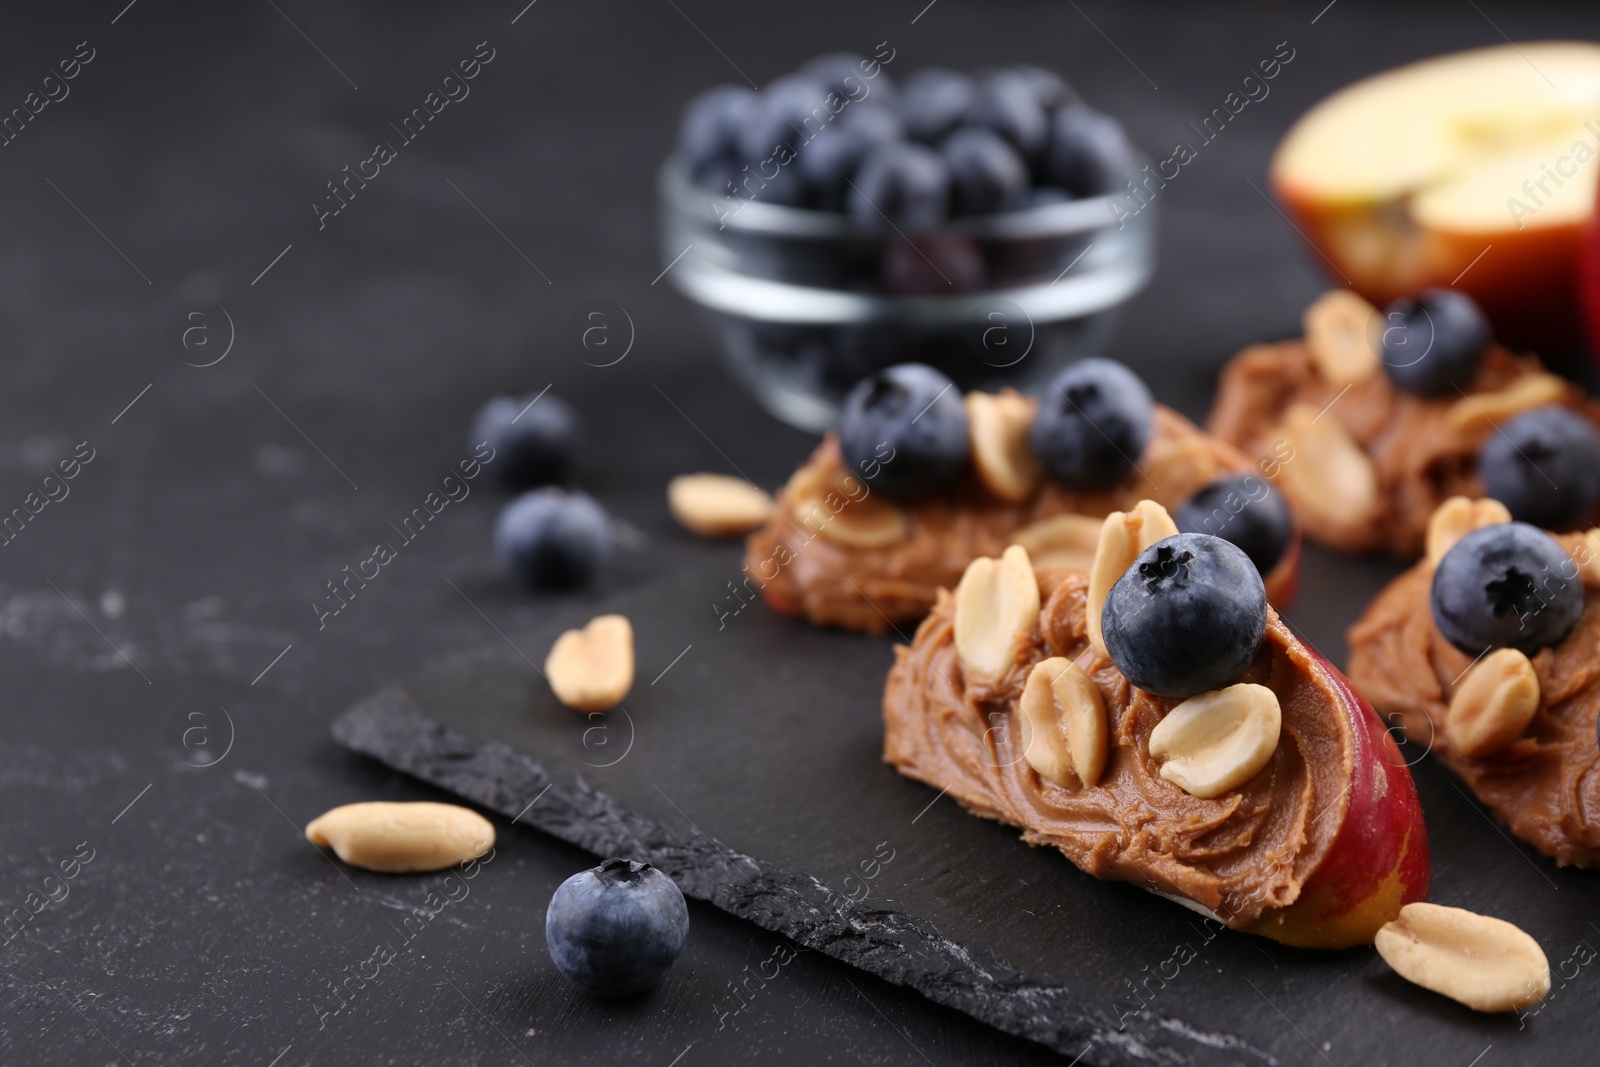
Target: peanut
x,y
1328,476
998,428
996,609
1063,724
1219,740
1457,517
843,510
395,838
1339,330
1123,535
1494,705
1484,411
1485,963
592,669
717,505
1062,541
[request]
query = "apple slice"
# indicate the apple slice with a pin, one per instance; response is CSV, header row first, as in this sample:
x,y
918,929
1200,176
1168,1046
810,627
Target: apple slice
x,y
1318,849
1404,179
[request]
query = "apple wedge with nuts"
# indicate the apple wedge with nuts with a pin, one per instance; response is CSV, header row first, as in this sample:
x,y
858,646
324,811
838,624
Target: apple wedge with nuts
x,y
1278,804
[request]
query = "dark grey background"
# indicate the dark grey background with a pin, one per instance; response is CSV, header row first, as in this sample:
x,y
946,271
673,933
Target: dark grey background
x,y
188,553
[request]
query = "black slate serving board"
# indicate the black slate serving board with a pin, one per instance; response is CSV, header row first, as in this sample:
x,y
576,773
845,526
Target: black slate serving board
x,y
746,762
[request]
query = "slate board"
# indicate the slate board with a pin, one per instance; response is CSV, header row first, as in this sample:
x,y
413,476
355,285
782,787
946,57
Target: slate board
x,y
747,763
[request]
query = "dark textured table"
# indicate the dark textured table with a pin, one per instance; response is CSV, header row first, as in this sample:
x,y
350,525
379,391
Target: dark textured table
x,y
169,679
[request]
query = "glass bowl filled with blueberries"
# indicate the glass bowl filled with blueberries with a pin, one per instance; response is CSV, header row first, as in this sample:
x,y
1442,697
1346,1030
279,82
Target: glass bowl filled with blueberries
x,y
836,223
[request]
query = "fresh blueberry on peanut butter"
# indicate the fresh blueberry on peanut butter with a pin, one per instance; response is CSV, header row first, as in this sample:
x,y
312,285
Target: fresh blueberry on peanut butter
x,y
1094,420
1544,465
1506,586
1432,345
1245,510
904,430
1187,617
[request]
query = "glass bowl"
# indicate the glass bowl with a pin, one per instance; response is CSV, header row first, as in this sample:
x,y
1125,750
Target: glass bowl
x,y
809,302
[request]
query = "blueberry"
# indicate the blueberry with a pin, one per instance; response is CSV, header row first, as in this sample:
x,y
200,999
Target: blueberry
x,y
535,438
1432,345
1047,86
1007,102
1244,510
935,101
1048,196
1089,154
786,115
616,930
1093,423
1544,465
1187,617
905,183
842,73
711,124
786,187
988,174
904,430
831,161
555,539
1506,586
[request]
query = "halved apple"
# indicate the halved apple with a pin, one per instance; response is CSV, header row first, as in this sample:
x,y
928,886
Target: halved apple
x,y
1403,180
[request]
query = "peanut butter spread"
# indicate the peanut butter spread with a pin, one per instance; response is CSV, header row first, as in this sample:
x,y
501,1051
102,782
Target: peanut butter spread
x,y
1423,450
1546,785
803,567
1243,855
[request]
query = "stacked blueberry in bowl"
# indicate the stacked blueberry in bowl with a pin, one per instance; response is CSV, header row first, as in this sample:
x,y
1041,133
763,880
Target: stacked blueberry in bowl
x,y
839,136
838,221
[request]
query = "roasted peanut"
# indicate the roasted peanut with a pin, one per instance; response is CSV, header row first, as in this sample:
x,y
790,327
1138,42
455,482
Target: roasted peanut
x,y
395,838
1063,724
1487,964
1340,332
1484,411
998,429
717,505
996,609
1123,535
1457,517
1062,541
1219,740
592,669
1494,705
1328,475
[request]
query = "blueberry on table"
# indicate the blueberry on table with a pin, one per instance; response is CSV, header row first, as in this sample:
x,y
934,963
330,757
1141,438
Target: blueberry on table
x,y
1187,617
615,930
1506,586
987,173
904,431
1432,345
553,538
935,101
1088,154
1008,103
535,438
711,123
1093,423
1245,511
788,112
1544,466
831,161
904,183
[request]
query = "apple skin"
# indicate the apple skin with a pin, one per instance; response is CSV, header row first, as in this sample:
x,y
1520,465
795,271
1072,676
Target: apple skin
x,y
1378,862
1283,580
1527,283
